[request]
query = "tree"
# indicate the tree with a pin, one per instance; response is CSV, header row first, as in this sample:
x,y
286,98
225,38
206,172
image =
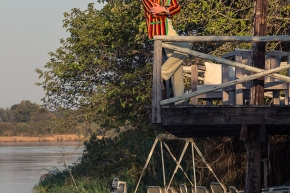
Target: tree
x,y
231,18
6,115
23,111
103,68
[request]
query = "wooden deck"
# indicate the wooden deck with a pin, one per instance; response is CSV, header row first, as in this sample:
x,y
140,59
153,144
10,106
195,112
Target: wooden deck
x,y
227,120
210,121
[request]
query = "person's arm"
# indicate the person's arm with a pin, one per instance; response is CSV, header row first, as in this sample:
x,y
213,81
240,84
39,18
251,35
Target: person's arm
x,y
174,7
158,10
148,4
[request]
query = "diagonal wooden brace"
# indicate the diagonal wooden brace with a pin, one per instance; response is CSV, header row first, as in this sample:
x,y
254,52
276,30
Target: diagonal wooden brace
x,y
223,61
178,163
175,160
237,81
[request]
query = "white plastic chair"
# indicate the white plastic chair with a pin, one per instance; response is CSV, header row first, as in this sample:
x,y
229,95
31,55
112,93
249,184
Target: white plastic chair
x,y
183,188
199,189
217,188
233,189
155,189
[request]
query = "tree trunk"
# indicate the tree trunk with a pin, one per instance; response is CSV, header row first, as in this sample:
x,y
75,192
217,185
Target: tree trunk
x,y
254,153
258,50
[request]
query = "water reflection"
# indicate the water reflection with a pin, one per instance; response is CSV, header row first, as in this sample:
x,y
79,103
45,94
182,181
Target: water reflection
x,y
22,163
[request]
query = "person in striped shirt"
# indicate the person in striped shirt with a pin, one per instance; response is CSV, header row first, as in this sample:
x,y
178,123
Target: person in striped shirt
x,y
159,18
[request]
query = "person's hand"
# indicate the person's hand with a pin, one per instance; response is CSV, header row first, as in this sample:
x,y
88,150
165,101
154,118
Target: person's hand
x,y
157,9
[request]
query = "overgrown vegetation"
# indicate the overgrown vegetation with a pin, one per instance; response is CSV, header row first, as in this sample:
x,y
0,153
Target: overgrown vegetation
x,y
103,159
102,74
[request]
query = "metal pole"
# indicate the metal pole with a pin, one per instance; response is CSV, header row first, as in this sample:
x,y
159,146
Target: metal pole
x,y
193,166
161,147
147,162
178,164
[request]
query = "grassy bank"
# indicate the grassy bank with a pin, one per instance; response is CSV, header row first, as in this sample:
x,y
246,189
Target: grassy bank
x,y
65,183
104,159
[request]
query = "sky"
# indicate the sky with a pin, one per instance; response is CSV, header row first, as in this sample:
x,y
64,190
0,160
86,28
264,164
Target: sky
x,y
30,29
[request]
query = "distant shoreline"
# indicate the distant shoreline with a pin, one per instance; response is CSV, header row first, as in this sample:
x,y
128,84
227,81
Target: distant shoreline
x,y
64,137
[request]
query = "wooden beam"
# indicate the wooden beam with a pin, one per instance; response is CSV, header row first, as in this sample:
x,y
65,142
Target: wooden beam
x,y
225,78
222,38
223,61
287,91
199,67
186,131
239,97
269,86
157,87
226,116
275,62
196,93
194,82
244,133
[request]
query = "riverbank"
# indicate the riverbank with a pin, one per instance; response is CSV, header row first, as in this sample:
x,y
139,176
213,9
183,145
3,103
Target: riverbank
x,y
65,137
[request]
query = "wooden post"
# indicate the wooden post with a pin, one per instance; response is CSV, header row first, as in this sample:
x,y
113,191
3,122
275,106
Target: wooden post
x,y
194,83
265,142
258,50
225,78
287,91
254,159
275,62
254,149
157,87
239,97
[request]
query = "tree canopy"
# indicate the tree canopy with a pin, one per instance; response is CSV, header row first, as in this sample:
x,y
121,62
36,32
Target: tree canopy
x,y
103,68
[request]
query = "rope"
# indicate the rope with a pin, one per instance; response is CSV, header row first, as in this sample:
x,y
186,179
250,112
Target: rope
x,y
147,162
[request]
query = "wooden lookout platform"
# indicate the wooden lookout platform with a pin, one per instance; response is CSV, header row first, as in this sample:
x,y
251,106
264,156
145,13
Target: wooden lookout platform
x,y
235,111
234,115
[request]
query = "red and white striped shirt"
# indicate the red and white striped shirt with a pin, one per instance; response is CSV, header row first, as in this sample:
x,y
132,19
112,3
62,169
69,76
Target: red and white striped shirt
x,y
157,24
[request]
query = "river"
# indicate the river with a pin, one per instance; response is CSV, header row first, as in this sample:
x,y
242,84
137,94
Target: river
x,y
22,163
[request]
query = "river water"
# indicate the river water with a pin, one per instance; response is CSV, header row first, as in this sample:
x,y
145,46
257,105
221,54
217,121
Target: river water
x,y
22,163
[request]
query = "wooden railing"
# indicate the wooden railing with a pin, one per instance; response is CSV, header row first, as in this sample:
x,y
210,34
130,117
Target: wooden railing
x,y
236,95
228,86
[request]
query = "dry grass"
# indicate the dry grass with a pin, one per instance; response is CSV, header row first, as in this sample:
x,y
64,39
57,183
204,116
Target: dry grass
x,y
68,137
